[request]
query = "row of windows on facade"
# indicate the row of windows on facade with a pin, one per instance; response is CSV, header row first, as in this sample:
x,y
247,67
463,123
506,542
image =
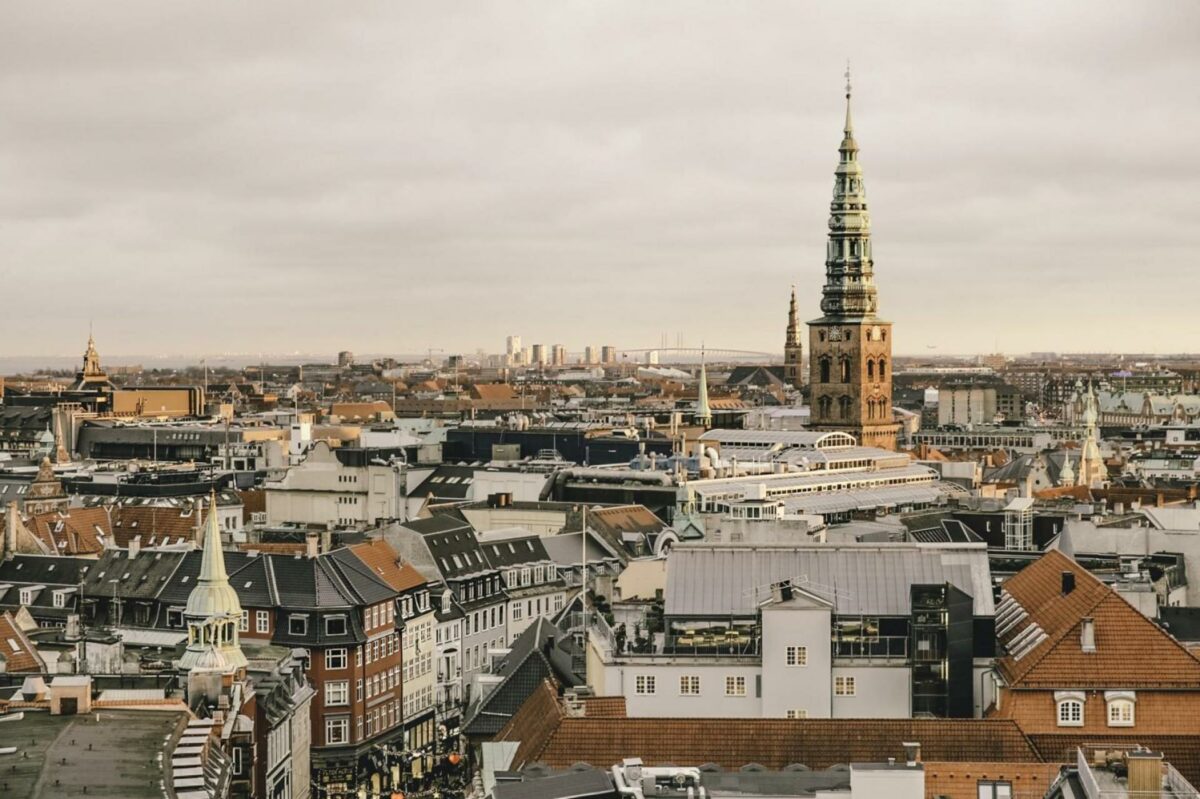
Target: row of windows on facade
x,y
338,658
533,607
876,407
1120,709
735,685
875,367
529,575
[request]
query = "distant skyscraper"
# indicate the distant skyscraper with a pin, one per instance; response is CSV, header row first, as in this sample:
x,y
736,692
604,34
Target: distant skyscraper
x,y
793,350
345,359
608,354
558,355
538,355
850,347
512,349
589,355
652,358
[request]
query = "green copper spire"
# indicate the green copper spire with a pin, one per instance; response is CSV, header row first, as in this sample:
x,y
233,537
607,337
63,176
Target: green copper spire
x,y
849,291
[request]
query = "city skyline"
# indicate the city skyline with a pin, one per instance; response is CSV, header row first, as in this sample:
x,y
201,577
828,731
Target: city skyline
x,y
238,184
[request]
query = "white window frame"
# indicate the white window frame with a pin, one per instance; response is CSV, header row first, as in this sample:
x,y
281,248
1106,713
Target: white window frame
x,y
303,619
796,656
244,622
1069,708
337,617
337,693
645,685
1116,703
689,685
845,686
797,714
337,724
262,621
332,656
735,685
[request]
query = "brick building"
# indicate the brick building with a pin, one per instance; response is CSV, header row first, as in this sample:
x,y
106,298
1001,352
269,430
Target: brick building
x,y
1081,665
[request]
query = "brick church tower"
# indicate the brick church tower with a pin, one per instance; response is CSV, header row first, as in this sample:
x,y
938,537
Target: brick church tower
x,y
850,348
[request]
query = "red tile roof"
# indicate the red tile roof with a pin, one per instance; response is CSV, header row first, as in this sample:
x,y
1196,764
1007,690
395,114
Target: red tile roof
x,y
18,651
381,559
1131,651
549,735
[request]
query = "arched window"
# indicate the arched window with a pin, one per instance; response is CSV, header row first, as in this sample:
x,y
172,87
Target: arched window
x,y
844,407
870,370
870,409
883,368
824,370
1120,708
845,364
1070,708
824,405
820,335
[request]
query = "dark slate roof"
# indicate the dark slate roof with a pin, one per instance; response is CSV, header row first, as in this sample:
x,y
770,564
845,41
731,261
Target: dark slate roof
x,y
447,481
515,551
525,667
44,570
452,544
950,531
140,577
369,587
582,784
756,376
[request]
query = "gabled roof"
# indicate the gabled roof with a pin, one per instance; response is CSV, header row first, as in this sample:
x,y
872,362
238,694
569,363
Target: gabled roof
x,y
381,560
549,735
1130,650
447,481
16,650
534,657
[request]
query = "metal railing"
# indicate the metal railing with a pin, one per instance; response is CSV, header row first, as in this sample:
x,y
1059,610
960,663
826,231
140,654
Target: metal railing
x,y
884,647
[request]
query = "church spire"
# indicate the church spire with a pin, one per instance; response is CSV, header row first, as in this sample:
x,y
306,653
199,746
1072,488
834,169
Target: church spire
x,y
793,326
213,612
849,291
703,412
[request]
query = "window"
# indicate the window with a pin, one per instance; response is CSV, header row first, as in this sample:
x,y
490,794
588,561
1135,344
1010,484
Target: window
x,y
1070,710
244,623
824,363
689,685
337,692
844,686
262,621
60,599
297,625
174,617
735,686
337,730
335,659
797,714
358,690
644,685
335,625
797,656
991,789
237,760
516,612
1120,708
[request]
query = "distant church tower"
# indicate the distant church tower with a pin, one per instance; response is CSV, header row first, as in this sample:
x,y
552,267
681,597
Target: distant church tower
x,y
793,349
850,348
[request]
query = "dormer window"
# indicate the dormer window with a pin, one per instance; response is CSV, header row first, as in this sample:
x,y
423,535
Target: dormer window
x,y
1070,708
1120,708
335,625
297,624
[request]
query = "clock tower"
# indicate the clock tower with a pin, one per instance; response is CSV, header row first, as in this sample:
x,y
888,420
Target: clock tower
x,y
850,348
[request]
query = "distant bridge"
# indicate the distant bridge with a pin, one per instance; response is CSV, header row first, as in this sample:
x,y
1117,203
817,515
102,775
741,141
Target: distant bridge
x,y
716,353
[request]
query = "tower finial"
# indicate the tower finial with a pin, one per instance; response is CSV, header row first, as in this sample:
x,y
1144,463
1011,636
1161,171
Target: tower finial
x,y
849,125
847,78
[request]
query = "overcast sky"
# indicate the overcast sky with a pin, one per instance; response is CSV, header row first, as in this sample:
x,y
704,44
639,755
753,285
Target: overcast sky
x,y
262,177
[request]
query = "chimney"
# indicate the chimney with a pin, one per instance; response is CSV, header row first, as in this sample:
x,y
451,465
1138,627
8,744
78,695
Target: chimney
x,y
135,546
326,540
912,753
72,631
311,545
1087,635
1068,582
1145,773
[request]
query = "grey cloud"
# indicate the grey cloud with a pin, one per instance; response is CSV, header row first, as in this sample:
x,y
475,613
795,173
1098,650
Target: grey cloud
x,y
391,176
